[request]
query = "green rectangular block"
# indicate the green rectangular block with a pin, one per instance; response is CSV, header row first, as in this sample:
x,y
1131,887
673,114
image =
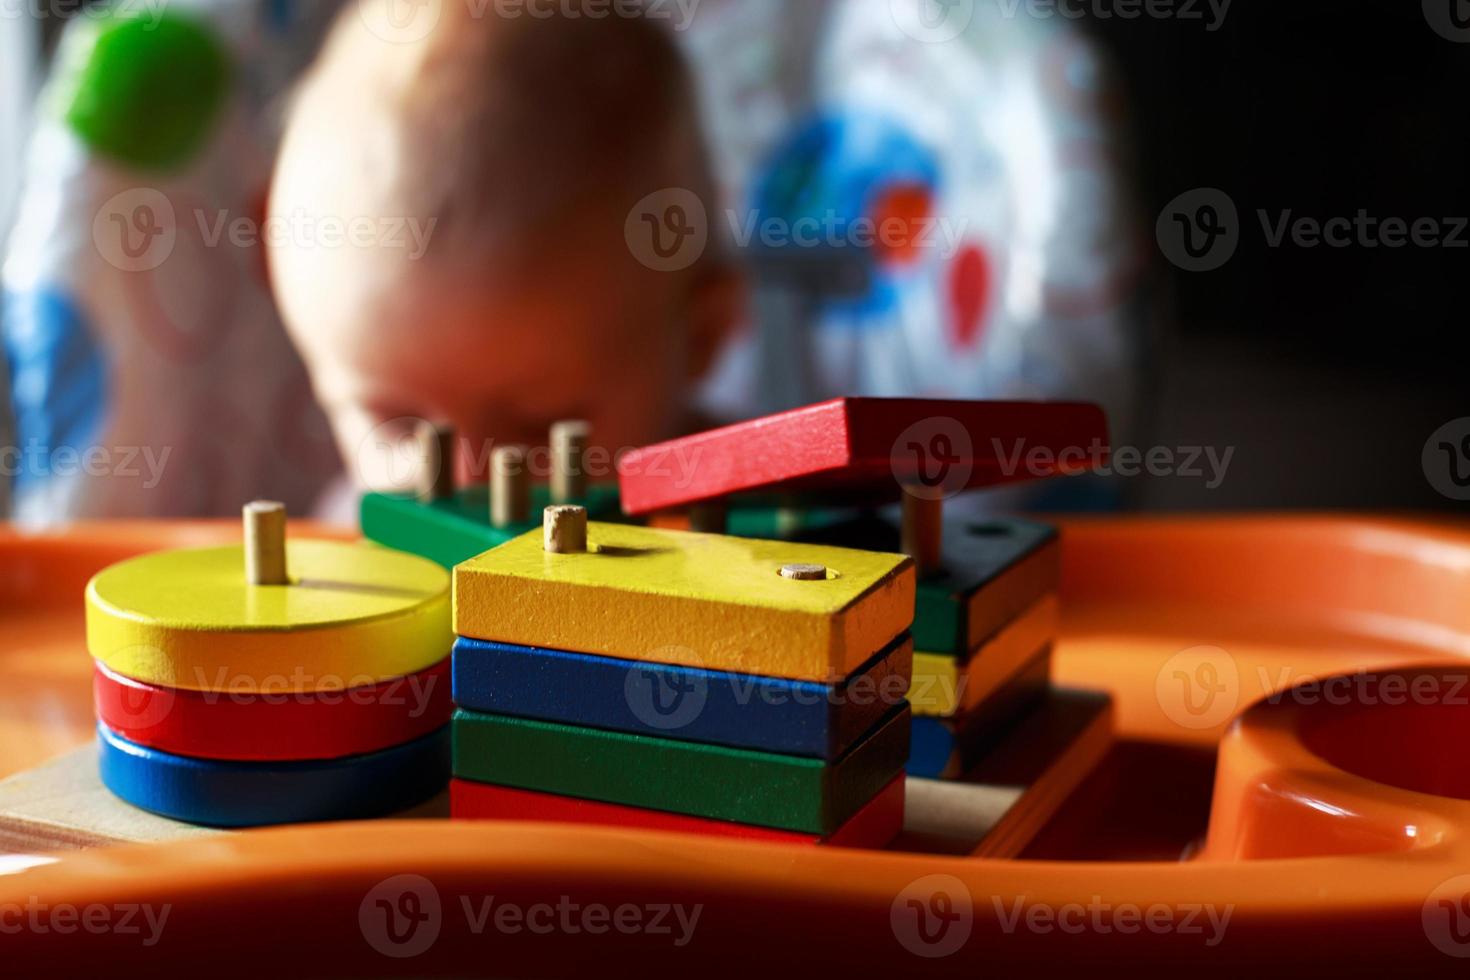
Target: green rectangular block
x,y
452,531
994,570
762,789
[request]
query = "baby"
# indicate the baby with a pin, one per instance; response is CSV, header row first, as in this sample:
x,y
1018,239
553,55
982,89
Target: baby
x,y
517,147
480,212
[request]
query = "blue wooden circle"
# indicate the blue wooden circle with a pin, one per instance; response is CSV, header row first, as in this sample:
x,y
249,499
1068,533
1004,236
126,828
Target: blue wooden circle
x,y
253,794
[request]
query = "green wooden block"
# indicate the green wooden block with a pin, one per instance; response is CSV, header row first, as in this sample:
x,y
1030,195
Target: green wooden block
x,y
994,570
142,90
788,792
452,531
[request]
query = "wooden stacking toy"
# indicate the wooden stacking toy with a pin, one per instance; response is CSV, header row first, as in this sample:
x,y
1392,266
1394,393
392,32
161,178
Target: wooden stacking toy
x,y
986,612
271,682
449,524
985,622
644,677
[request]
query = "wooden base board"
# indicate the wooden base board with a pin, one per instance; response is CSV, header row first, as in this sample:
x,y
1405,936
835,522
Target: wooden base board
x,y
996,812
1007,799
63,805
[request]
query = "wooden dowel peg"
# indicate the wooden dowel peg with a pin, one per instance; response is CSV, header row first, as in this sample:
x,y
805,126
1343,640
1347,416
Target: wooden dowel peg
x,y
804,573
437,445
265,543
564,530
710,517
923,531
510,487
568,467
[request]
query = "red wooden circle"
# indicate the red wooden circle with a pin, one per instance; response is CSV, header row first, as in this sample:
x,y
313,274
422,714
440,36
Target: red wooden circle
x,y
274,726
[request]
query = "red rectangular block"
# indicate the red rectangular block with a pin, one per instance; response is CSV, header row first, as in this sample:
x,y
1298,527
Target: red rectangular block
x,y
862,449
873,826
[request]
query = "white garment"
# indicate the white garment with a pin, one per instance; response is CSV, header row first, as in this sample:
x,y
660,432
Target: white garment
x,y
160,384
1028,286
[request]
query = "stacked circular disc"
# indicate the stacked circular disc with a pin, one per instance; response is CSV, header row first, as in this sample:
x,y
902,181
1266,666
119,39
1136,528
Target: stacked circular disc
x,y
230,693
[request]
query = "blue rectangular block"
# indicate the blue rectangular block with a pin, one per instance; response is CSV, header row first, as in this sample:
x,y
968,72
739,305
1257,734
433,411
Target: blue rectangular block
x,y
947,748
736,710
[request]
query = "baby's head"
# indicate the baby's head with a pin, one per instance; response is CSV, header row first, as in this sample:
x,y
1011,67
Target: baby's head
x,y
485,175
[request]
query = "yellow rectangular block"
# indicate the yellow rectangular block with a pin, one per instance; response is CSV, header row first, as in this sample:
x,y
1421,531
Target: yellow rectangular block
x,y
695,600
942,687
935,689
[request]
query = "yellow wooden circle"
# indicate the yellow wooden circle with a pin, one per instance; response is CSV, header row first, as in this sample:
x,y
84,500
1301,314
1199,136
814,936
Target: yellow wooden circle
x,y
353,615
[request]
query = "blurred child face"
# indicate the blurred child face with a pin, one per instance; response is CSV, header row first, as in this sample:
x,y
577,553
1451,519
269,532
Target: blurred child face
x,y
500,353
497,331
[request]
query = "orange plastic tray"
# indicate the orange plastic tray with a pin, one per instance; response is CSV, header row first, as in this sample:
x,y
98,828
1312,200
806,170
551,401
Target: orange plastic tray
x,y
1360,862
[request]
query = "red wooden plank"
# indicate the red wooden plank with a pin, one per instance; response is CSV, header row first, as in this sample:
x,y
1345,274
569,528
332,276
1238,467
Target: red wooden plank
x,y
873,826
862,448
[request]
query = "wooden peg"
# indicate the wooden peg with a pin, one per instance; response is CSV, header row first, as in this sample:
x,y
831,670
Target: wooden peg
x,y
564,530
710,517
265,543
804,573
568,473
510,487
923,531
437,445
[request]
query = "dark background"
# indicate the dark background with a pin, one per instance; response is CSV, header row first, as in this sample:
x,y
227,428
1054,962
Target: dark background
x,y
1328,368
